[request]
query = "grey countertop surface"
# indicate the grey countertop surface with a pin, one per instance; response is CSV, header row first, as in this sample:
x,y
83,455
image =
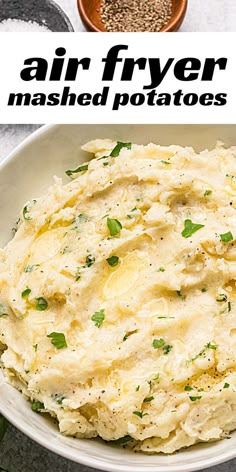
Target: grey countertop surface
x,y
17,452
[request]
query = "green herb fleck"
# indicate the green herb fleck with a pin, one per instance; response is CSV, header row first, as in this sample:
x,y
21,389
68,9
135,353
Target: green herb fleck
x,y
203,290
90,260
203,351
226,237
41,304
157,343
30,268
194,399
190,228
27,209
36,406
26,292
76,171
35,346
116,151
180,294
113,261
3,311
223,298
167,349
229,307
140,414
123,440
161,269
58,340
167,163
226,385
114,226
207,193
98,318
59,399
137,388
148,399
187,388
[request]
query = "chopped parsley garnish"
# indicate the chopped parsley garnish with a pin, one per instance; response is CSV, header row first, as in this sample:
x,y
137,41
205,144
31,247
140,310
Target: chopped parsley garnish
x,y
36,406
3,311
161,269
140,414
3,426
114,226
226,385
98,318
58,340
116,151
226,237
137,388
203,290
113,261
157,343
166,317
180,294
207,193
203,351
27,209
167,349
167,163
190,228
125,337
90,260
35,346
148,399
223,298
30,268
187,388
26,292
59,399
160,343
41,304
81,218
229,307
78,275
76,171
123,440
194,399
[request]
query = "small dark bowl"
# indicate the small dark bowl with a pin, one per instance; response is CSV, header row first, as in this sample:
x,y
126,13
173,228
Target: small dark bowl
x,y
43,12
90,14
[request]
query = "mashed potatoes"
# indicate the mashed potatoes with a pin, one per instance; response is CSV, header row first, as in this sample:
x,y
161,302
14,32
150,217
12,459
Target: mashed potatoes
x,y
118,297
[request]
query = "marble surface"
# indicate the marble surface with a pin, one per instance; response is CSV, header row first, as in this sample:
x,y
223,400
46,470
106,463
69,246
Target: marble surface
x,y
17,452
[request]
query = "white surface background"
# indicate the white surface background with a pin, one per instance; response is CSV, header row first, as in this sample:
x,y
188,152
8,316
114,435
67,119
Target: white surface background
x,y
160,46
18,453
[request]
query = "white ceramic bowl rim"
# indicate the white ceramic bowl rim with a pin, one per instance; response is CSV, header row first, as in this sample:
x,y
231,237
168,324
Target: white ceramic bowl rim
x,y
15,408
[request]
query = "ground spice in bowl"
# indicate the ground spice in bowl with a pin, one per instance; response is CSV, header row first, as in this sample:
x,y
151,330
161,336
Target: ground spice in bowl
x,y
135,15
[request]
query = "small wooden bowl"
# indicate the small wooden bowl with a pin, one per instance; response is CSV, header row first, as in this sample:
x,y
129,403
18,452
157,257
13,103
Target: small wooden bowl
x,y
90,14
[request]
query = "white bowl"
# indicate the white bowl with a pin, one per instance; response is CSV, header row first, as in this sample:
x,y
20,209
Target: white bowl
x,y
26,173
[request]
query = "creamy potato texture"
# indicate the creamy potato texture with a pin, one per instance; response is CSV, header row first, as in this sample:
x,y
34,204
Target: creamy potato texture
x,y
118,298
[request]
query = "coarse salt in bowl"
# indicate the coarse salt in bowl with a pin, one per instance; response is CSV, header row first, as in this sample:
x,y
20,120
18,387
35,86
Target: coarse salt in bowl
x,y
33,16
